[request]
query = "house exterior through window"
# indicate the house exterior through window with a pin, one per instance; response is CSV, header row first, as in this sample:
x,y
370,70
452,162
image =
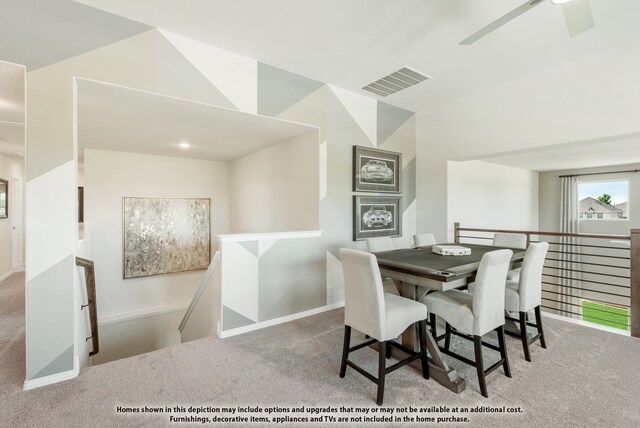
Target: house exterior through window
x,y
603,200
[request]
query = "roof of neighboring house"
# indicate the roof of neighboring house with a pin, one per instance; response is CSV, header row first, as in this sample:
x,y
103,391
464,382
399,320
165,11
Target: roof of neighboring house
x,y
590,204
622,206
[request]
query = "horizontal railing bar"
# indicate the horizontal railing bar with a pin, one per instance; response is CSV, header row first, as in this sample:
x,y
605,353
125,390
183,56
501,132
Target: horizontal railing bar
x,y
580,306
589,299
587,289
475,237
589,263
589,255
595,318
540,233
587,280
607,247
585,271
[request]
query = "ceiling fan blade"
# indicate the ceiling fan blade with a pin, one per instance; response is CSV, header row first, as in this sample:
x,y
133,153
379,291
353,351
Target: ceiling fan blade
x,y
500,22
577,14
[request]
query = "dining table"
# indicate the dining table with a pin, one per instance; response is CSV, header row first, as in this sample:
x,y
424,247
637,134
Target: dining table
x,y
418,271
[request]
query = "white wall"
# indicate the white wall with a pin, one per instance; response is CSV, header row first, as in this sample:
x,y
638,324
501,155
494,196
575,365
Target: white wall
x,y
109,176
8,170
277,188
486,195
137,336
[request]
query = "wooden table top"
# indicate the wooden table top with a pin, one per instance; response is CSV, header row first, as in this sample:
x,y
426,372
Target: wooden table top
x,y
423,262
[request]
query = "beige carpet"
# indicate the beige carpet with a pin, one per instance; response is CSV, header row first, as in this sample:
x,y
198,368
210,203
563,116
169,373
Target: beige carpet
x,y
12,348
586,378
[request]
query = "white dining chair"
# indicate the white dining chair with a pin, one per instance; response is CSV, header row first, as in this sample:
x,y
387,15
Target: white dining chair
x,y
381,316
474,315
525,295
424,239
382,243
511,240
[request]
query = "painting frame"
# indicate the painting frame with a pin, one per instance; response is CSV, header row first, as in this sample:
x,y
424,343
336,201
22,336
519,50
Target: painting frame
x,y
4,198
166,223
376,170
369,221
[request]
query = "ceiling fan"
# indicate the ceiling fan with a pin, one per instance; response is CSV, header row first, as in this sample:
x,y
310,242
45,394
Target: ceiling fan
x,y
577,14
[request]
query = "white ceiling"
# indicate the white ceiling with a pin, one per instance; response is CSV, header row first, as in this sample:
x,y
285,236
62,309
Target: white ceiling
x,y
621,150
352,43
346,43
122,119
12,110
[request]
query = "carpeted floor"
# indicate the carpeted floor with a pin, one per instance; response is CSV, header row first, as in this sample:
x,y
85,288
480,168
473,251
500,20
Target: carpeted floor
x,y
12,348
586,378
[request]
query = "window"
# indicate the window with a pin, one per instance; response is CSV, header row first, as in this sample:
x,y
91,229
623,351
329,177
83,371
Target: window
x,y
603,200
609,315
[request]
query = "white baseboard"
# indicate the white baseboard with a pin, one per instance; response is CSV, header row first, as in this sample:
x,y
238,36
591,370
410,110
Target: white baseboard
x,y
586,324
55,378
141,313
6,275
276,321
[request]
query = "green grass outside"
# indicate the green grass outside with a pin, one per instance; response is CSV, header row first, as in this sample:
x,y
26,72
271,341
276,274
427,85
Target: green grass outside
x,y
614,315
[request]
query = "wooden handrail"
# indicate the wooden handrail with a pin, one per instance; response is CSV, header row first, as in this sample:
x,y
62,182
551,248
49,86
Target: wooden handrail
x,y
635,283
90,283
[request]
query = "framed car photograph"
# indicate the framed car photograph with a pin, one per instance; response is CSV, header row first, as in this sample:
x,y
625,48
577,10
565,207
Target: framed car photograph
x,y
376,170
376,216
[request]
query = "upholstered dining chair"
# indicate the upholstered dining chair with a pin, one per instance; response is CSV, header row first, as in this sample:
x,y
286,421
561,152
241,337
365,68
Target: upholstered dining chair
x,y
424,239
525,295
382,243
381,316
511,240
474,315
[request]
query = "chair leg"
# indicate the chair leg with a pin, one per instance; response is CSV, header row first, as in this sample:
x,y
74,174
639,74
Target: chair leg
x,y
382,346
447,339
477,344
432,321
422,329
388,350
523,336
543,343
345,349
503,351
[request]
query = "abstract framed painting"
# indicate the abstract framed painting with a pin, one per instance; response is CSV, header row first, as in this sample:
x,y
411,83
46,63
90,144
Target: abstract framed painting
x,y
376,216
165,235
376,170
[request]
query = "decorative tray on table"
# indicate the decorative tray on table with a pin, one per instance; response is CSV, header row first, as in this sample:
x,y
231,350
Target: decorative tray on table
x,y
451,250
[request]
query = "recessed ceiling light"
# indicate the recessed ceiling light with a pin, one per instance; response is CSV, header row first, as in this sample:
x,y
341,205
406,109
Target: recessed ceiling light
x,y
560,1
185,145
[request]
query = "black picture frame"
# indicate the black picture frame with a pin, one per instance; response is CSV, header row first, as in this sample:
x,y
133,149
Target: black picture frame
x,y
375,216
4,199
376,170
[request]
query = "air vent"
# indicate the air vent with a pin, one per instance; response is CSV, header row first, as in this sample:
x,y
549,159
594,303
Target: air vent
x,y
396,82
